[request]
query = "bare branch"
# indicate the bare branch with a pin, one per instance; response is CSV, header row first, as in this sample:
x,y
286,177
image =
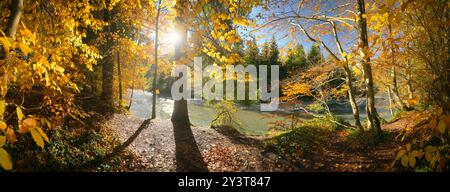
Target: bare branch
x,y
316,41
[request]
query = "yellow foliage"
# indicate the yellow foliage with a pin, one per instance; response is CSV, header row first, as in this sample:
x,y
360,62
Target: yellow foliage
x,y
19,113
432,156
2,107
6,43
2,125
30,122
37,137
5,159
2,140
10,135
24,48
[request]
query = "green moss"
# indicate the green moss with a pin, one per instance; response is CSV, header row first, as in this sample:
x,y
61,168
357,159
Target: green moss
x,y
297,142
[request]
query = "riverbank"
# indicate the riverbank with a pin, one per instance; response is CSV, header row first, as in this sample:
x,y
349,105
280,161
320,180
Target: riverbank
x,y
157,147
343,150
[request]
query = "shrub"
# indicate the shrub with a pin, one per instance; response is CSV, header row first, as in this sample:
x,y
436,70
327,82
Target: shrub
x,y
427,144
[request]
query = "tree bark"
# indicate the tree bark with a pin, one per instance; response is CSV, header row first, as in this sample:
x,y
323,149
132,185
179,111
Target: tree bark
x,y
409,80
155,73
16,9
395,90
180,109
14,19
119,73
108,63
390,100
131,96
349,80
352,99
374,122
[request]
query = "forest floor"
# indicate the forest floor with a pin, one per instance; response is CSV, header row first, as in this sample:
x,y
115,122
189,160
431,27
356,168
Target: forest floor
x,y
159,149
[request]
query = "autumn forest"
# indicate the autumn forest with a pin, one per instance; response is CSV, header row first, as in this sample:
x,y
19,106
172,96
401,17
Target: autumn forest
x,y
115,85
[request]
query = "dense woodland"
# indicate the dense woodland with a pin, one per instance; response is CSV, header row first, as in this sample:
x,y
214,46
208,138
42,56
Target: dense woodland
x,y
68,69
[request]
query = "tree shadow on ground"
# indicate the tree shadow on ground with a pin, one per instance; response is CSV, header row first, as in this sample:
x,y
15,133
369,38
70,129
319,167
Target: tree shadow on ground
x,y
188,156
118,149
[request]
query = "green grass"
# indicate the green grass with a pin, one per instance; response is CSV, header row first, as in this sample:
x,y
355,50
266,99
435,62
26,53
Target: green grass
x,y
297,142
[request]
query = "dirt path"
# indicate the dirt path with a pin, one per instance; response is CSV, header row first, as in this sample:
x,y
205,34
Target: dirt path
x,y
156,146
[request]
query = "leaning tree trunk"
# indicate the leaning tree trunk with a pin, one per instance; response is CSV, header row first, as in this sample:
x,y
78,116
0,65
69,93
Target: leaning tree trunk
x,y
14,19
374,122
348,72
155,73
351,98
348,80
180,109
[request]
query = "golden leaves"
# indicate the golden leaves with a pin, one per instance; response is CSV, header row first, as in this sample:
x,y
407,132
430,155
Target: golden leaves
x,y
2,125
10,135
24,48
407,157
6,43
19,113
37,138
30,124
23,129
2,140
3,90
419,153
43,135
2,107
5,159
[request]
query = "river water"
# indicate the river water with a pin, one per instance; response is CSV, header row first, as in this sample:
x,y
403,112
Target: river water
x,y
253,121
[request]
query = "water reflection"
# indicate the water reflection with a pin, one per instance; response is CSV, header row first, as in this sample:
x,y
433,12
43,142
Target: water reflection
x,y
253,121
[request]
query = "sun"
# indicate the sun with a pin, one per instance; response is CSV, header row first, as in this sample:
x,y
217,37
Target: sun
x,y
170,38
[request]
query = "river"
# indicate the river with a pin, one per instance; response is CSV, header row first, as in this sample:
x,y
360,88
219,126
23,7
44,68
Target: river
x,y
253,121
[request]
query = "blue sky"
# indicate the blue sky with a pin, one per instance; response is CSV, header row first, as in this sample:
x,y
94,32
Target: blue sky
x,y
265,34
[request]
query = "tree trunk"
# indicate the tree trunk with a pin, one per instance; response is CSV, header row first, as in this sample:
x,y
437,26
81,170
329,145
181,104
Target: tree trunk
x,y
180,109
395,90
348,72
349,80
14,19
108,81
155,73
374,122
16,9
119,73
352,99
409,80
390,100
131,96
108,63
